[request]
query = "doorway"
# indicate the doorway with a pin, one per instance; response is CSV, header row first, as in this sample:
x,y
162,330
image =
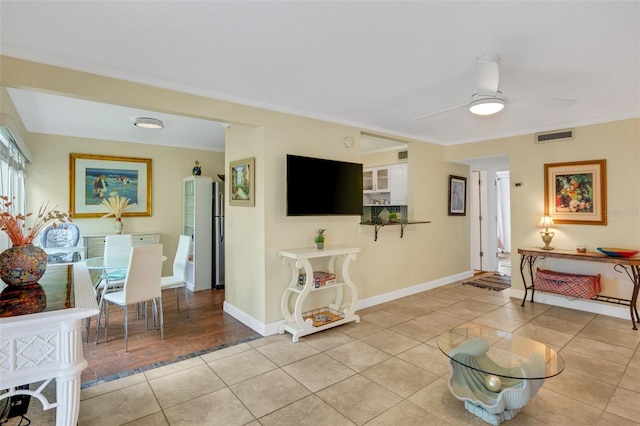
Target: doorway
x,y
490,220
503,221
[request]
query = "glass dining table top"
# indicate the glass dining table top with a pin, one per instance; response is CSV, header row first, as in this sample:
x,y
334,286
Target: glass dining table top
x,y
54,291
499,353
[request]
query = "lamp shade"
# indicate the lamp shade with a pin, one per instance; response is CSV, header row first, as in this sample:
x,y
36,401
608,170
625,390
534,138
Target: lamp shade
x,y
546,222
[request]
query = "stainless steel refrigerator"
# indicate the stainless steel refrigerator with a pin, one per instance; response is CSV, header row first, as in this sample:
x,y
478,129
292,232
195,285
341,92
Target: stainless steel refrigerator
x,y
218,235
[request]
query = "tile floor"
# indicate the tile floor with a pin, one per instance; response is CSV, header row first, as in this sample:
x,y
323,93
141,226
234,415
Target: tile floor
x,y
504,263
386,370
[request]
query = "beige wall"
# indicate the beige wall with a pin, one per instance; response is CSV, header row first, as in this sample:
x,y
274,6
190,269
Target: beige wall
x,y
619,143
48,180
429,254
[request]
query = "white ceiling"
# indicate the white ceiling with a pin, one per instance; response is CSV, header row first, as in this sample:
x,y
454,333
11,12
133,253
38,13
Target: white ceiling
x,y
375,65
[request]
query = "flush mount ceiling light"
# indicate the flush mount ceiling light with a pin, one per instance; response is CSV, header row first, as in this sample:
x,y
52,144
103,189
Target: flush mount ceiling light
x,y
148,123
483,104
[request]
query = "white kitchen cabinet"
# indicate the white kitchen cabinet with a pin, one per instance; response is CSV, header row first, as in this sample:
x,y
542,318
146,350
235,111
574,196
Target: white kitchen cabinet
x,y
375,179
385,185
197,217
398,184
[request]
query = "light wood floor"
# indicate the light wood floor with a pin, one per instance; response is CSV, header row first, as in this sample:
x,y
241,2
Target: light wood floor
x,y
207,328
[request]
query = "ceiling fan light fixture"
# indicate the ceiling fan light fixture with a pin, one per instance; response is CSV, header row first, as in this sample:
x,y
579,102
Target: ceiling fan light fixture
x,y
148,123
486,106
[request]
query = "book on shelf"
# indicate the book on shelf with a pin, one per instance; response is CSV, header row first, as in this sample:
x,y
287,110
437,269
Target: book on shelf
x,y
320,279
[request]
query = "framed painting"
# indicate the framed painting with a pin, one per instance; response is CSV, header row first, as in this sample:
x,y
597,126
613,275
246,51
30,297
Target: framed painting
x,y
576,192
94,178
457,196
242,182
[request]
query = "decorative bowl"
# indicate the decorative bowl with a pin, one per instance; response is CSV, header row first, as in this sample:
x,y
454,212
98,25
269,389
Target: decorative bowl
x,y
618,252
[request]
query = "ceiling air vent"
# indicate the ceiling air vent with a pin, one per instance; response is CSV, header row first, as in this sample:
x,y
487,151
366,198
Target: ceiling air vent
x,y
555,136
403,155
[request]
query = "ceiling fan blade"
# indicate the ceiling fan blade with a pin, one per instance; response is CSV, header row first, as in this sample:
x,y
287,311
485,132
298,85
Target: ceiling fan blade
x,y
548,102
440,112
487,74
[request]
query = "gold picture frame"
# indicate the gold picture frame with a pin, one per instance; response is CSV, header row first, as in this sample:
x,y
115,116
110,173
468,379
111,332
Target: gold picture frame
x,y
93,178
576,192
242,182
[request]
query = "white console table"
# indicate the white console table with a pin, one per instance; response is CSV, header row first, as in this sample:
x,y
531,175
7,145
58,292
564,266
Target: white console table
x,y
47,345
299,259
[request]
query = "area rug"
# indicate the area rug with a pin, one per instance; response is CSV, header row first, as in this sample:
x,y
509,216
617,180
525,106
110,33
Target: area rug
x,y
497,282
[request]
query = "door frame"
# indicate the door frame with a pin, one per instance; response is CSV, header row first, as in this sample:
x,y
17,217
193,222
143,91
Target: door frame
x,y
486,231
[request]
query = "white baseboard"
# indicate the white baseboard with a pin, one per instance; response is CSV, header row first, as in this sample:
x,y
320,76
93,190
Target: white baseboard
x,y
274,327
243,317
585,305
408,291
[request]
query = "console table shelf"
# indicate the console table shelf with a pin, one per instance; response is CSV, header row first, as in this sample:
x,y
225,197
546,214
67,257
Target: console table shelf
x,y
631,266
298,259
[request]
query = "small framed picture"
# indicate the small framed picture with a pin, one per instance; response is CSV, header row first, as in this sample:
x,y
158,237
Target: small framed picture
x,y
457,196
242,182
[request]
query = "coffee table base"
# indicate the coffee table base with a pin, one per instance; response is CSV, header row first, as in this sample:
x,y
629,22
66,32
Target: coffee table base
x,y
468,384
494,419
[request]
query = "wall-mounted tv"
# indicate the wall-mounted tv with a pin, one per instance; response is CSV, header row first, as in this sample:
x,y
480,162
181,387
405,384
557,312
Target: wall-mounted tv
x,y
319,187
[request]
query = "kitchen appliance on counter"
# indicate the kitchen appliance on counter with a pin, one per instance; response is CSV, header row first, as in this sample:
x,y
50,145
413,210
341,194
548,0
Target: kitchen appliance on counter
x,y
218,236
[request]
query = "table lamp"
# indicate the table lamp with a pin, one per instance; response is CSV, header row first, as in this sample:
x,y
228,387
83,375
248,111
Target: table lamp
x,y
546,222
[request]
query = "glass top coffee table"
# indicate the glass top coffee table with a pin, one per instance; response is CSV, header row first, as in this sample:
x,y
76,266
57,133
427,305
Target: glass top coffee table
x,y
495,372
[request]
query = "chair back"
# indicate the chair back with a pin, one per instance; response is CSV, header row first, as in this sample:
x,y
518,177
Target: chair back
x,y
182,257
117,254
61,235
143,275
117,250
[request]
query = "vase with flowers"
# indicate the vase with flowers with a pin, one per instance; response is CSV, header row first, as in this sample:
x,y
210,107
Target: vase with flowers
x,y
116,206
319,238
24,263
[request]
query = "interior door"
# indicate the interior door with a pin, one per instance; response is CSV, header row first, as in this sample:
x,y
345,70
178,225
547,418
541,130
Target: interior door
x,y
475,210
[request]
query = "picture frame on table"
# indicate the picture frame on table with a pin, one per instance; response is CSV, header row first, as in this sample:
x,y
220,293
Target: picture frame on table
x,y
457,196
576,192
242,182
94,178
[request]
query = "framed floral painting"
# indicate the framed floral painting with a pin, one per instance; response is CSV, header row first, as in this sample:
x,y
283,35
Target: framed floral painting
x,y
576,192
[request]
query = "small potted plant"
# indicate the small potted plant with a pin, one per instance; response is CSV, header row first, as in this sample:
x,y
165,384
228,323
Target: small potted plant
x,y
319,238
393,217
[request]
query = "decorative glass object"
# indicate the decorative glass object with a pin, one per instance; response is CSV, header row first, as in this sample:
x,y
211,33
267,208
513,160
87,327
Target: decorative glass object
x,y
22,264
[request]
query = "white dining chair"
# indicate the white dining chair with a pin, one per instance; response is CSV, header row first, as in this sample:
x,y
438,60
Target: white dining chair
x,y
113,270
141,284
178,279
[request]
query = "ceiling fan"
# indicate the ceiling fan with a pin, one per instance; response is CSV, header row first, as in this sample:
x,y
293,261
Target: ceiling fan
x,y
487,99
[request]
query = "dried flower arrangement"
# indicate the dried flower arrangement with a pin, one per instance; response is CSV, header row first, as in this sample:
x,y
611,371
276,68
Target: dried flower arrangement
x,y
14,223
116,205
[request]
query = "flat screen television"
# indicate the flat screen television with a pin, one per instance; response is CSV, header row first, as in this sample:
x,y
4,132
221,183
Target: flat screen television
x,y
319,187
